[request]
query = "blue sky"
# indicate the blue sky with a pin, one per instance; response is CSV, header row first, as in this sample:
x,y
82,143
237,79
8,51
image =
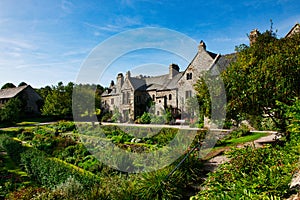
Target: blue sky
x,y
44,42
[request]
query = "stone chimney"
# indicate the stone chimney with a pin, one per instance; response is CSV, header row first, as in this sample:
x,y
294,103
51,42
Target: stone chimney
x,y
128,74
202,46
253,36
173,70
112,83
120,81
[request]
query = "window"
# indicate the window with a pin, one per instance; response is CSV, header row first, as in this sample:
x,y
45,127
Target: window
x,y
112,101
157,112
159,101
189,76
138,99
188,94
153,97
128,98
170,96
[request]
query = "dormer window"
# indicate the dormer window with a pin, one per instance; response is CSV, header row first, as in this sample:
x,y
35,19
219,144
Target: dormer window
x,y
189,76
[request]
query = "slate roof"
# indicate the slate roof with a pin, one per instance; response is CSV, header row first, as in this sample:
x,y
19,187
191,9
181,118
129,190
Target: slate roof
x,y
224,61
155,83
162,82
11,92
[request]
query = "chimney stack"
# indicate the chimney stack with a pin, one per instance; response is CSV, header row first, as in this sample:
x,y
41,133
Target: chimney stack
x,y
173,70
202,46
120,81
253,36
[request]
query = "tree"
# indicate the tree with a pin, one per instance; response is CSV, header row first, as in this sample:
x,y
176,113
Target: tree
x,y
22,84
59,100
264,73
8,85
11,110
86,100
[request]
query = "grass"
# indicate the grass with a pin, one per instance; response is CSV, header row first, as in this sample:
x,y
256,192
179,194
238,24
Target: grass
x,y
249,138
26,123
227,144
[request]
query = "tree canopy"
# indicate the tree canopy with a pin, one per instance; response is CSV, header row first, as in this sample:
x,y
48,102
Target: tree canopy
x,y
8,85
264,74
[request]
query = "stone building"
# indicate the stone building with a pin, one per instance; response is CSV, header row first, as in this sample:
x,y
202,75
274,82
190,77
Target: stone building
x,y
26,94
294,30
132,96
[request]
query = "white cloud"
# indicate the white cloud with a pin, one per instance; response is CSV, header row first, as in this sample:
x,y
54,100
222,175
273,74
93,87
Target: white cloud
x,y
12,42
118,24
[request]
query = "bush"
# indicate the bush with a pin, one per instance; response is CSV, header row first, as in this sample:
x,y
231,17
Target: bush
x,y
12,147
145,118
263,173
26,135
51,172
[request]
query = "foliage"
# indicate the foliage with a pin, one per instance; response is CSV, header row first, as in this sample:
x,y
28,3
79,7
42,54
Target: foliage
x,y
266,72
59,100
51,172
263,173
11,111
252,174
116,116
8,85
12,147
145,118
86,101
22,84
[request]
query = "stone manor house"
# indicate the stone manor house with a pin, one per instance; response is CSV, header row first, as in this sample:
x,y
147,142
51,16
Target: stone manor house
x,y
131,96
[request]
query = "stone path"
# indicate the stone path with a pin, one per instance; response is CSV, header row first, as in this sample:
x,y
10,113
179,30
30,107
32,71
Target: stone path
x,y
212,164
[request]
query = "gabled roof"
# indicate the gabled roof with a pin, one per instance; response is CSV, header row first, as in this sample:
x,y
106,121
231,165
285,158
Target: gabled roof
x,y
137,83
11,92
294,30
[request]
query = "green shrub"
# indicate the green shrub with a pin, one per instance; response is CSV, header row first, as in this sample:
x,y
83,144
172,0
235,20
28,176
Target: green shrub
x,y
26,135
253,174
12,147
64,126
51,172
155,185
145,118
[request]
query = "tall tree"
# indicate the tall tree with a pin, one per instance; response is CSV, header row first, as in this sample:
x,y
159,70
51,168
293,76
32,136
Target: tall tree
x,y
264,73
59,100
22,84
11,110
8,85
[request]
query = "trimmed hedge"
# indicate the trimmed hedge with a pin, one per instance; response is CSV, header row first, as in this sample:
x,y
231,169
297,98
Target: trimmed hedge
x,y
12,147
50,172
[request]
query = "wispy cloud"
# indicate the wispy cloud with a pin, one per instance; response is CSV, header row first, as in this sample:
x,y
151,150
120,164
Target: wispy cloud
x,y
35,65
12,42
120,23
232,40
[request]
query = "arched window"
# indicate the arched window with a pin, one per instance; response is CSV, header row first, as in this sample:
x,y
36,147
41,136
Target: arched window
x,y
170,96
